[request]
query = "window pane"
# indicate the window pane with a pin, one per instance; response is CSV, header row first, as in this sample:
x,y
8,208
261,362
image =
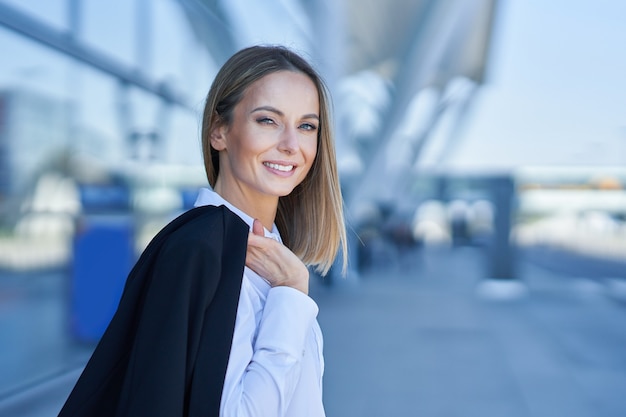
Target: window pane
x,y
35,109
178,57
109,26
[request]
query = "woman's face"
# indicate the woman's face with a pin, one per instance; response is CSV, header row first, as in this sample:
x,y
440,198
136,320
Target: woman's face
x,y
271,142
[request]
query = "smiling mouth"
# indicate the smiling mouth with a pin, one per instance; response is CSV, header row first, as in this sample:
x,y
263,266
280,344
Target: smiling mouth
x,y
283,168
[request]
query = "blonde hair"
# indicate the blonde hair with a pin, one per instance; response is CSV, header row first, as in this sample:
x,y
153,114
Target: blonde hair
x,y
310,219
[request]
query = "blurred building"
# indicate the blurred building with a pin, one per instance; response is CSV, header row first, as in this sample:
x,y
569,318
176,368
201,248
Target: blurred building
x,y
139,88
100,105
33,132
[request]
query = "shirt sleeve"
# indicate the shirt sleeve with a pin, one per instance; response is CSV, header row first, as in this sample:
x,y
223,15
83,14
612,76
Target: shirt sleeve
x,y
264,366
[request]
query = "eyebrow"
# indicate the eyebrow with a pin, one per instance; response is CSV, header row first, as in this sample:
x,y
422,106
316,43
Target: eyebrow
x,y
280,113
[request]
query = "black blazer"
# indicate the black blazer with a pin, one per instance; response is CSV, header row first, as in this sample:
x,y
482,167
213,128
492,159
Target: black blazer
x,y
166,349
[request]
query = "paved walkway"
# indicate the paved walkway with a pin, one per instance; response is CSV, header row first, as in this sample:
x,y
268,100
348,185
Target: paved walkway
x,y
417,339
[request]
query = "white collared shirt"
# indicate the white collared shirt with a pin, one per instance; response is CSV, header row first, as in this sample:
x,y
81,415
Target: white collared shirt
x,y
276,364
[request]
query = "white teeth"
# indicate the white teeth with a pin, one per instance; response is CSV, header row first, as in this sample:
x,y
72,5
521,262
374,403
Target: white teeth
x,y
284,168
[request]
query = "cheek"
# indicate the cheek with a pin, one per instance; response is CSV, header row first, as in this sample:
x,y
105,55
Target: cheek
x,y
310,152
242,149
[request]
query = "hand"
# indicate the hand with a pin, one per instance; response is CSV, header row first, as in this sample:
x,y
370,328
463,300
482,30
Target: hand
x,y
275,262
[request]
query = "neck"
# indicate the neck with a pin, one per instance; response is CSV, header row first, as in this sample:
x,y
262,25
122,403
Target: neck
x,y
262,207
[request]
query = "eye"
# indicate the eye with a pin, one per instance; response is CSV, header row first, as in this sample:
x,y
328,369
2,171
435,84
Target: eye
x,y
308,126
265,121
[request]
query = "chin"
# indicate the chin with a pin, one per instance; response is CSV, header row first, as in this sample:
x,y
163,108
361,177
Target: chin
x,y
285,193
282,192
281,188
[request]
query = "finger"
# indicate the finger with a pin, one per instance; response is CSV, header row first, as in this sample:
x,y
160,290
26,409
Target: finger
x,y
257,228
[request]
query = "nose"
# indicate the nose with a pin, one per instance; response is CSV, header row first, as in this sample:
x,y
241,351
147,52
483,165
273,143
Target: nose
x,y
288,141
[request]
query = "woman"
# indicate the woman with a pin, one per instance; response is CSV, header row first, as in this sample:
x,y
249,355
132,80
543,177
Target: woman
x,y
198,332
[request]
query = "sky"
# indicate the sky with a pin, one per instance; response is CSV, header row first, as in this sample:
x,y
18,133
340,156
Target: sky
x,y
556,88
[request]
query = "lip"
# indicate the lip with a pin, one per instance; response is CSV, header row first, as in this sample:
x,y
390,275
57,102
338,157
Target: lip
x,y
278,171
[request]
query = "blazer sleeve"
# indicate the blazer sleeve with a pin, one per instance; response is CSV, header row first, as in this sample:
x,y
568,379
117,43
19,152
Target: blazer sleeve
x,y
145,364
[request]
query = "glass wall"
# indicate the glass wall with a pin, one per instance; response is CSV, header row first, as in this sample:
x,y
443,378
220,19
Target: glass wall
x,y
86,150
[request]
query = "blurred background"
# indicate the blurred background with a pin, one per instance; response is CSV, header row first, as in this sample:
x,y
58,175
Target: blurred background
x,y
482,155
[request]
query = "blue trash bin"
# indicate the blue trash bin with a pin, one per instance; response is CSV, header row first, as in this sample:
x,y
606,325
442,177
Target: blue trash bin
x,y
103,255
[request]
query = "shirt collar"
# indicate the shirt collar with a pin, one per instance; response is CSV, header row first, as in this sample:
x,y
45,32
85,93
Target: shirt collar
x,y
208,197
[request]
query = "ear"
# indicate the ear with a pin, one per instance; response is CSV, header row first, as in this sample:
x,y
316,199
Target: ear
x,y
218,136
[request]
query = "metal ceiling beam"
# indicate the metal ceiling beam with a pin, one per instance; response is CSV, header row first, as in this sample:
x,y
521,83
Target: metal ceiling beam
x,y
67,44
210,28
439,36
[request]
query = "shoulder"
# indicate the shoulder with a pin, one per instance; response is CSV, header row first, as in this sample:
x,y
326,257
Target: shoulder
x,y
214,216
204,224
193,250
203,232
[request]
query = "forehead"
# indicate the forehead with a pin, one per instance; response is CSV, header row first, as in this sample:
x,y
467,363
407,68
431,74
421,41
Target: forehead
x,y
287,87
